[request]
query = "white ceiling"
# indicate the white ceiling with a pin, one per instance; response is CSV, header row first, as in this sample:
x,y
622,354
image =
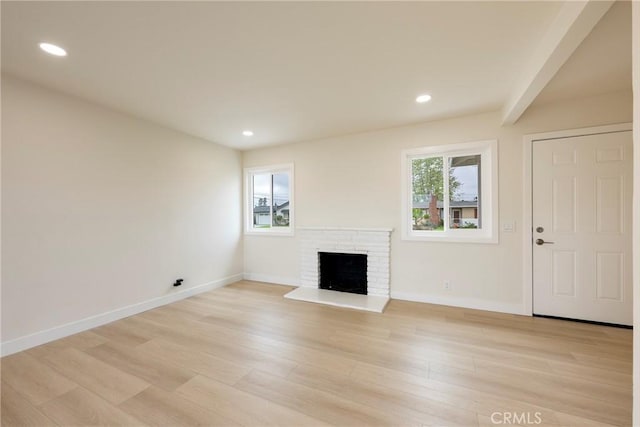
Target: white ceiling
x,y
601,64
289,71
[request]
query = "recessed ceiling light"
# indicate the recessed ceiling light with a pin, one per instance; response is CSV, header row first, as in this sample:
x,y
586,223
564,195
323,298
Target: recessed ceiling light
x,y
423,98
247,133
53,49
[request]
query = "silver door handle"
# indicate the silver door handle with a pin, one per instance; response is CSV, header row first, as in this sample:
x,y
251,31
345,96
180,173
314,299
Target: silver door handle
x,y
541,242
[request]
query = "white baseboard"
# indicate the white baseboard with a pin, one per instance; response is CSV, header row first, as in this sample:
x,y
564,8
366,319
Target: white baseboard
x,y
267,278
473,303
42,337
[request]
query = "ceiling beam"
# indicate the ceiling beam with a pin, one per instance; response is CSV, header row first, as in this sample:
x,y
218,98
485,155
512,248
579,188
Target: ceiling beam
x,y
574,22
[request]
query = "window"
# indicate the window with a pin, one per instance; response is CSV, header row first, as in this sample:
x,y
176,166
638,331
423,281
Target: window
x,y
450,193
269,199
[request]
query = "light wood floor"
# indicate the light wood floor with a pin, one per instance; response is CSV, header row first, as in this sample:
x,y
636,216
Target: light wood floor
x,y
243,355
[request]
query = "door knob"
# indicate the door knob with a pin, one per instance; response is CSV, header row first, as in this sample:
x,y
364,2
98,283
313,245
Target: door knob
x,y
541,242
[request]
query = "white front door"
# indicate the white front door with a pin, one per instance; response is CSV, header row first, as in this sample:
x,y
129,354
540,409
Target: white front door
x,y
582,191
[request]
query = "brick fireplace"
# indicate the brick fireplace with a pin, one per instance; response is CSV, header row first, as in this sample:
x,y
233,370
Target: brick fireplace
x,y
375,243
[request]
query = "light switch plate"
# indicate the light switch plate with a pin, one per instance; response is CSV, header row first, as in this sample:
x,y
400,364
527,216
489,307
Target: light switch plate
x,y
509,226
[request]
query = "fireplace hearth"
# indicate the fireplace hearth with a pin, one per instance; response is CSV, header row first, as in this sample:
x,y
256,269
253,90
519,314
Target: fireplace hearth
x,y
352,260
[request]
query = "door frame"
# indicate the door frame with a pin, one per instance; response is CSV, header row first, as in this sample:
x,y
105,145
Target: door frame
x,y
527,202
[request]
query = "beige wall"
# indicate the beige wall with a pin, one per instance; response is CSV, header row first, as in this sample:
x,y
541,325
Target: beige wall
x,y
354,181
101,210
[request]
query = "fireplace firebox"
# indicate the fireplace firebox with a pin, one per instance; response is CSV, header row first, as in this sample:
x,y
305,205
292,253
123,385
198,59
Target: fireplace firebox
x,y
344,272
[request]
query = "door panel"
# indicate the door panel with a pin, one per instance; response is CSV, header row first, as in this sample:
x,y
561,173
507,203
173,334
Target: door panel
x,y
563,204
564,273
582,190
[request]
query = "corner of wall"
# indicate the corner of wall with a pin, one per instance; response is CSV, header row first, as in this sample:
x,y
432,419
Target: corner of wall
x,y
43,337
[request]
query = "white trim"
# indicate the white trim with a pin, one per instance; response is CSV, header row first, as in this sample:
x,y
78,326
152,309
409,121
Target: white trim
x,y
527,203
248,202
269,168
447,238
472,303
270,232
42,337
488,234
462,148
268,278
388,230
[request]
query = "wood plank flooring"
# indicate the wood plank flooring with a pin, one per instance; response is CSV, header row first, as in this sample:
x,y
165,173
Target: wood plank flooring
x,y
244,355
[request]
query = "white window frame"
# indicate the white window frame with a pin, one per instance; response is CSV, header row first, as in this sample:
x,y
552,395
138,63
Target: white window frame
x,y
488,150
248,192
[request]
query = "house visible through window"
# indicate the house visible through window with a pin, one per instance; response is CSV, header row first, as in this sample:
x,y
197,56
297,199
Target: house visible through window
x,y
269,199
451,193
464,192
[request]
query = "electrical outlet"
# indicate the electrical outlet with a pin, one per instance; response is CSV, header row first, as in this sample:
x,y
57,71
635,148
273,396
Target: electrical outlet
x,y
447,285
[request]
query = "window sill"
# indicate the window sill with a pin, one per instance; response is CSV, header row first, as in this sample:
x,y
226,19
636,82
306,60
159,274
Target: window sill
x,y
269,232
451,239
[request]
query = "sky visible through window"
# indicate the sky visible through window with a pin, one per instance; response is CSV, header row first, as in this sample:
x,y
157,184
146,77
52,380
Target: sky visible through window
x,y
467,176
262,187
